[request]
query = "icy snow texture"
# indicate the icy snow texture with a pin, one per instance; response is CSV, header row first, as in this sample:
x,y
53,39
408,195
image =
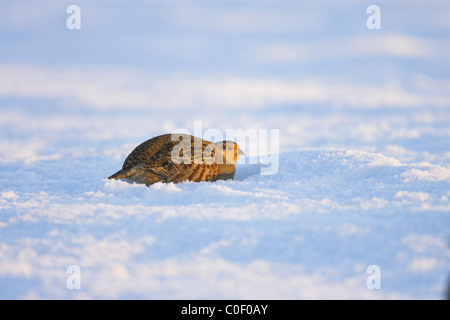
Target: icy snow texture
x,y
308,232
364,152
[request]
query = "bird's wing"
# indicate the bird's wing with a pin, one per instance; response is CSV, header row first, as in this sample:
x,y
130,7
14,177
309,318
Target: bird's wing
x,y
186,160
144,152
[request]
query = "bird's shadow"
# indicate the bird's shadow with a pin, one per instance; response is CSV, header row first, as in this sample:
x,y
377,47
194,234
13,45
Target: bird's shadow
x,y
244,171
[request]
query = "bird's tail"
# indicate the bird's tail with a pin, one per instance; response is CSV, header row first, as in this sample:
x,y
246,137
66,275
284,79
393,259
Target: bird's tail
x,y
137,174
121,174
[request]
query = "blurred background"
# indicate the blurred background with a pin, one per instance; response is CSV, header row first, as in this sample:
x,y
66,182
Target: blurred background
x,y
75,102
136,69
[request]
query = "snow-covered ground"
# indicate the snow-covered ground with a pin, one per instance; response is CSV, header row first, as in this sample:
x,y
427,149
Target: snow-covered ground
x,y
358,208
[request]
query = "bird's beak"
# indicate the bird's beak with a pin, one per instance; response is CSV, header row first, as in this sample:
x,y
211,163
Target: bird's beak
x,y
241,153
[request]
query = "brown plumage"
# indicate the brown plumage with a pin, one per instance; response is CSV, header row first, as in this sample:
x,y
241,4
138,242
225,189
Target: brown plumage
x,y
179,157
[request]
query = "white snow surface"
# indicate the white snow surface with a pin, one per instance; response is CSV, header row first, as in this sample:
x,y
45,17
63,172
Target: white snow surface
x,y
308,232
363,176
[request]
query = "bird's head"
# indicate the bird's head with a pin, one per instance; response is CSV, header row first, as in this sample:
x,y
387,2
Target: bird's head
x,y
231,151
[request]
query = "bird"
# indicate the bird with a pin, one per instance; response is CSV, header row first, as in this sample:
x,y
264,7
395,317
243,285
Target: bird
x,y
178,157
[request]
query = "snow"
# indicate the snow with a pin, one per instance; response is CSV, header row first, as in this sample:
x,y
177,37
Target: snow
x,y
308,232
361,174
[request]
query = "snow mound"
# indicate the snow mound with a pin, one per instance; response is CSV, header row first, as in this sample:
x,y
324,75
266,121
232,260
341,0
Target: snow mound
x,y
309,231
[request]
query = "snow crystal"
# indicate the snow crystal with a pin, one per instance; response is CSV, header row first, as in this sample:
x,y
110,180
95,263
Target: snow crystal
x,y
429,173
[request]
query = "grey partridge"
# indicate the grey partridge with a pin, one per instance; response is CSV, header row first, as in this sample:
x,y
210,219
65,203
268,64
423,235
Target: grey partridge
x,y
180,157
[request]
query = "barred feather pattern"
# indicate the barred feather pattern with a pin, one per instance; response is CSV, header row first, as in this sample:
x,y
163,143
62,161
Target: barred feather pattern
x,y
179,157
